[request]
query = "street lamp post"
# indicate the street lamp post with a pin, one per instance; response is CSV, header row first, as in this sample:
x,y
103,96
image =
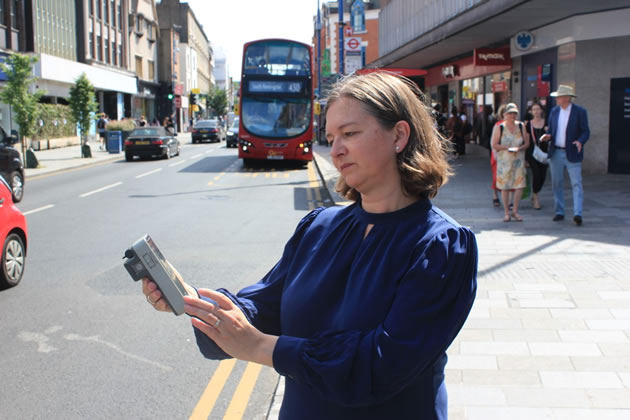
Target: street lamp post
x,y
319,52
341,59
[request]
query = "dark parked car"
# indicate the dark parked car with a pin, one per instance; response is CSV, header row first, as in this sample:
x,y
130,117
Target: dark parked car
x,y
11,168
13,237
150,142
207,130
231,140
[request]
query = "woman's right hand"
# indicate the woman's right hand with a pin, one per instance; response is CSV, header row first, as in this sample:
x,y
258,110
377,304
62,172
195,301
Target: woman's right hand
x,y
154,295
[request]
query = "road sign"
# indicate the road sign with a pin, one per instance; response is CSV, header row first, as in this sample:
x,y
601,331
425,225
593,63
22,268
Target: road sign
x,y
347,31
195,91
178,102
352,44
353,63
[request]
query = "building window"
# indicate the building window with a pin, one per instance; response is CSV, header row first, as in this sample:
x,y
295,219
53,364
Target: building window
x,y
14,8
1,13
99,48
114,56
139,24
151,66
357,16
112,9
106,5
119,15
91,7
106,42
91,44
139,67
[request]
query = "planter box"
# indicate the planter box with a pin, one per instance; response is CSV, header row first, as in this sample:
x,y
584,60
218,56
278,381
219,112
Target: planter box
x,y
63,142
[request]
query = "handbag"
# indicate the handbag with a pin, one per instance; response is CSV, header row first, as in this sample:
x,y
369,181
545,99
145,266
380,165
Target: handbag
x,y
538,154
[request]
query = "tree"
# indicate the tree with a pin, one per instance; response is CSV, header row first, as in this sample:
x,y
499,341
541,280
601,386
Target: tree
x,y
217,100
83,104
19,71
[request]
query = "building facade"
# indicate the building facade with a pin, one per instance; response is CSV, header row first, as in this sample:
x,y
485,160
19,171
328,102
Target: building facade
x,y
464,46
143,52
195,55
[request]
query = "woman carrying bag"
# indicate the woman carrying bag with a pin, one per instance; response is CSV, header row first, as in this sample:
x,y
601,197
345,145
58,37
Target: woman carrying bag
x,y
536,128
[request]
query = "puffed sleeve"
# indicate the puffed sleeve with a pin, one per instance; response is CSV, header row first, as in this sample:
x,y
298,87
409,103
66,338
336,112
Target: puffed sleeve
x,y
432,302
260,302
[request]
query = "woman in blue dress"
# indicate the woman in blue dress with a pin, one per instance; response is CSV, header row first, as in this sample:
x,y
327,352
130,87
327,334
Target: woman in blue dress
x,y
358,312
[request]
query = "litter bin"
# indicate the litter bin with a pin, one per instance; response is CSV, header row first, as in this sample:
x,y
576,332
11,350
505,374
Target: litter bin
x,y
114,141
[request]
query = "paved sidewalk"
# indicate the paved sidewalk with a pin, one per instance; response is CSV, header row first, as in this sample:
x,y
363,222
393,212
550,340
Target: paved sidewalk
x,y
66,158
549,334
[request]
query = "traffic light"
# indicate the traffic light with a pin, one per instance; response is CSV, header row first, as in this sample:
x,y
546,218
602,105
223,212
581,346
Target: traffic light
x,y
170,96
193,99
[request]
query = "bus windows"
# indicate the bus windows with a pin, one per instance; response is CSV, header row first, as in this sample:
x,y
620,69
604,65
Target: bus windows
x,y
277,58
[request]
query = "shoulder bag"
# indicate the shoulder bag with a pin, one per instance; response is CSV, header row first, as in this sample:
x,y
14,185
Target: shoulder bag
x,y
537,154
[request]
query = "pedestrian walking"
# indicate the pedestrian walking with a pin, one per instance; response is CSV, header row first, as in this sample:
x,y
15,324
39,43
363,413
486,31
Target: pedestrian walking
x,y
567,134
509,141
536,128
455,128
358,337
101,125
142,122
493,158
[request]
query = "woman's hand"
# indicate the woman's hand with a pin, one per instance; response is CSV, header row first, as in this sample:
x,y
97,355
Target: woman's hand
x,y
228,327
154,295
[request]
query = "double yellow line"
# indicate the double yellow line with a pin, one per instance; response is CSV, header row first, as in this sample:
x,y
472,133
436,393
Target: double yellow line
x,y
238,404
240,398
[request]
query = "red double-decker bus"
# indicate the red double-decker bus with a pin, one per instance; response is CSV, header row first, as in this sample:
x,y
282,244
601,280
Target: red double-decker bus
x,y
276,101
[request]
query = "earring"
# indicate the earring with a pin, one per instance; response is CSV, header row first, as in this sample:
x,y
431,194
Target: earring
x,y
397,148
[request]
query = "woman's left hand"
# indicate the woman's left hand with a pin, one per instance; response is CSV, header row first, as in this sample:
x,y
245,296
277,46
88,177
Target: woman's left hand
x,y
228,327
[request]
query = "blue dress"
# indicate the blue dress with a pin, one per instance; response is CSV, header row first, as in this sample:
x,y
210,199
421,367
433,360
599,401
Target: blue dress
x,y
364,324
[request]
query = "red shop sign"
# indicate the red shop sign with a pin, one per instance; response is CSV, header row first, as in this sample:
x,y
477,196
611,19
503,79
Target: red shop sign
x,y
499,86
492,57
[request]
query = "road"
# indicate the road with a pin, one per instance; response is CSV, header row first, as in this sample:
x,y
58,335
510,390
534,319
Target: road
x,y
79,340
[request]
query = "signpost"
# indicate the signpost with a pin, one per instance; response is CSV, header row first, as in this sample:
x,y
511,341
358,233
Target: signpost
x,y
352,44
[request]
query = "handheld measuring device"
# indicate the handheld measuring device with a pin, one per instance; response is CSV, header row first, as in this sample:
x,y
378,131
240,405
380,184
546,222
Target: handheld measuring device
x,y
144,259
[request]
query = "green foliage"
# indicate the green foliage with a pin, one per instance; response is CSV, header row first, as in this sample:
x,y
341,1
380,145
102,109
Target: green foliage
x,y
217,100
57,122
82,104
19,71
121,125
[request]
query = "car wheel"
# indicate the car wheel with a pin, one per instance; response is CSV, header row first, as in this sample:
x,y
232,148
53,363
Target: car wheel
x,y
17,186
128,157
13,259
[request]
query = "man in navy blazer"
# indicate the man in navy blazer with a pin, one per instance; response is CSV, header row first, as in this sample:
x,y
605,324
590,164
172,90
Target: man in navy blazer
x,y
567,133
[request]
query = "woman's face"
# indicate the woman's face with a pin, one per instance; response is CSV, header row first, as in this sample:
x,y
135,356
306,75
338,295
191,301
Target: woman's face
x,y
536,111
510,116
363,151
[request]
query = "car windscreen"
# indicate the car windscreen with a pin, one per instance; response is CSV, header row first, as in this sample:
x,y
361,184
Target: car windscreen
x,y
234,125
148,132
274,117
205,124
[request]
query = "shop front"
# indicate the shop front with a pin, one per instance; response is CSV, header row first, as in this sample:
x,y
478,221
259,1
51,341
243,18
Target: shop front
x,y
474,86
143,103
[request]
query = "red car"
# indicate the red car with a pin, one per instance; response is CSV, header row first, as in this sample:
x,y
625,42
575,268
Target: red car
x,y
13,237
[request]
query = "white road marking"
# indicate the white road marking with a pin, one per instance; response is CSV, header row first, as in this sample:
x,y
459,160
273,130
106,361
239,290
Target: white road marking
x,y
149,173
177,163
196,156
26,213
96,339
100,189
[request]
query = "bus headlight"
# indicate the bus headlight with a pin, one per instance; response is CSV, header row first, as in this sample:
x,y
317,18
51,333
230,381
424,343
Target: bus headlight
x,y
245,145
306,146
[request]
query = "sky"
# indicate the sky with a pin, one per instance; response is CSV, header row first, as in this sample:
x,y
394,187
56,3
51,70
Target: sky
x,y
228,24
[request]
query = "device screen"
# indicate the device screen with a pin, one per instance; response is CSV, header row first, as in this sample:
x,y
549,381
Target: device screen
x,y
166,266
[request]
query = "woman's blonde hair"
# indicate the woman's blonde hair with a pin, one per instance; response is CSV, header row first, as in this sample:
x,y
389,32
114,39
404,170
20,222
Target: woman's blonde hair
x,y
422,164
